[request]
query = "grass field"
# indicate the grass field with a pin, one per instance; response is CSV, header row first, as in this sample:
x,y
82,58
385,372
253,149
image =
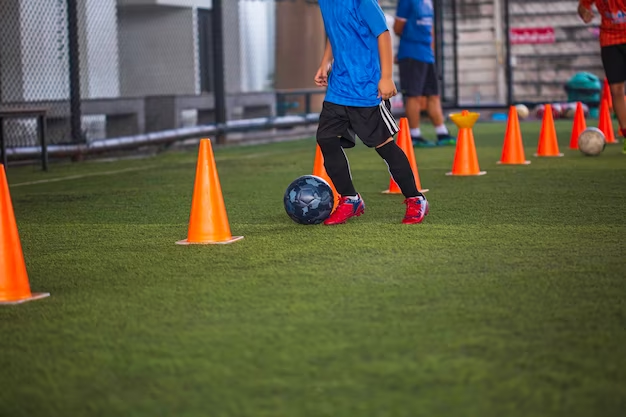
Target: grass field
x,y
509,300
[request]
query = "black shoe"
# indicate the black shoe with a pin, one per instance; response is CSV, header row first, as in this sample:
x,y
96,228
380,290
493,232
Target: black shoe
x,y
420,142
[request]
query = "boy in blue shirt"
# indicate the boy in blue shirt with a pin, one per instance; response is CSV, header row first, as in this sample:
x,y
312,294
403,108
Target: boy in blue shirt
x,y
358,48
418,75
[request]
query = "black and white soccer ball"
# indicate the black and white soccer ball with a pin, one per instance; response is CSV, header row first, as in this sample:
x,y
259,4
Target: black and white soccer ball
x,y
591,141
309,200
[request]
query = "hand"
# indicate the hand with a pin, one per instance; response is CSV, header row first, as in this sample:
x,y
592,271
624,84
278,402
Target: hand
x,y
386,88
321,76
585,14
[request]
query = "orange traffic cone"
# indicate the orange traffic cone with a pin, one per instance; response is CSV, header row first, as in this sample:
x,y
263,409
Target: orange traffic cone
x,y
14,286
548,145
605,124
606,93
320,171
465,158
579,125
513,149
406,144
208,222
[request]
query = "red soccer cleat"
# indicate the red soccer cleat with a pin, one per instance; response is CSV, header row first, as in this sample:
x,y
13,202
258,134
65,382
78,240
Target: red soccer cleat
x,y
348,207
416,210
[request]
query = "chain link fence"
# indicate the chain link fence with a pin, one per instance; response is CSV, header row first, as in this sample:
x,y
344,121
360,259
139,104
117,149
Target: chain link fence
x,y
122,68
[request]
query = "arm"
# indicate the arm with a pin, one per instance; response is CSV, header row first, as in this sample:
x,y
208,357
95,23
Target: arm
x,y
398,26
321,77
403,12
584,10
386,86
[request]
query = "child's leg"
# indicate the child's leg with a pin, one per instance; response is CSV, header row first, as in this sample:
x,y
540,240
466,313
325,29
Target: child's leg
x,y
619,104
399,167
614,62
337,166
333,124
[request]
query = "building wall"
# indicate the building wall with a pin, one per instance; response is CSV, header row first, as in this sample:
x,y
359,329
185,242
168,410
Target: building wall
x,y
158,50
99,54
33,50
300,42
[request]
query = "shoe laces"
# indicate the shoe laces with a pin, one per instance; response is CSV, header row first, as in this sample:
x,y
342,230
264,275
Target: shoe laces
x,y
413,205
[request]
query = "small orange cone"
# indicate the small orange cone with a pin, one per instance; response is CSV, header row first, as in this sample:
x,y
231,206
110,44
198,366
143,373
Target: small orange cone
x,y
548,145
14,286
320,171
208,222
579,125
606,93
513,148
605,124
465,158
406,144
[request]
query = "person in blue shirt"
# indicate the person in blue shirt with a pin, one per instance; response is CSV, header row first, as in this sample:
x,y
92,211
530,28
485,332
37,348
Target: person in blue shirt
x,y
357,68
418,74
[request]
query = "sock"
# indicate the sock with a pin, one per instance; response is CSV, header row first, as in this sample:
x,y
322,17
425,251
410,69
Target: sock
x,y
416,132
623,132
337,167
400,168
441,130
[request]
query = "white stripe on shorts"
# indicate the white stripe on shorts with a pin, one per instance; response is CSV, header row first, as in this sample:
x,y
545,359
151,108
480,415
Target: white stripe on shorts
x,y
388,118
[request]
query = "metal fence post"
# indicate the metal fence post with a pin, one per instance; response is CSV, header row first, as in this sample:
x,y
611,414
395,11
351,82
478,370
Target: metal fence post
x,y
219,88
74,69
507,41
455,49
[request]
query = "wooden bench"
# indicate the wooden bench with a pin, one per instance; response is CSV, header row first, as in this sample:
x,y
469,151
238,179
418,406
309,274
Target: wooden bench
x,y
38,113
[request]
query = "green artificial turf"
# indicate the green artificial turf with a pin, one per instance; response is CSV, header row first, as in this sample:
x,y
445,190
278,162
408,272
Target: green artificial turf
x,y
509,300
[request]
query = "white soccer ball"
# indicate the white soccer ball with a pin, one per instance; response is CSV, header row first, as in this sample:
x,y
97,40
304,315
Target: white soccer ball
x,y
591,141
522,111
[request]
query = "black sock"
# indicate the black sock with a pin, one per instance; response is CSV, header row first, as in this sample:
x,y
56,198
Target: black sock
x,y
400,168
336,165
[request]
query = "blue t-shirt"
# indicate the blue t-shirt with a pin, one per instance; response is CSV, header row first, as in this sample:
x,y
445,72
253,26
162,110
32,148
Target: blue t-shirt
x,y
416,38
353,27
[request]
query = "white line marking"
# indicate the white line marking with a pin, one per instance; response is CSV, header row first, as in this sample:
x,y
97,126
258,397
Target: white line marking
x,y
122,171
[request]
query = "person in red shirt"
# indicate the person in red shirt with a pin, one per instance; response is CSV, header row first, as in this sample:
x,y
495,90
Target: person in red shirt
x,y
613,49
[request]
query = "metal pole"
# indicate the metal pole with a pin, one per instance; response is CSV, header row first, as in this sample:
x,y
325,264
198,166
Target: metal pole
x,y
438,31
500,41
219,88
74,67
455,35
507,43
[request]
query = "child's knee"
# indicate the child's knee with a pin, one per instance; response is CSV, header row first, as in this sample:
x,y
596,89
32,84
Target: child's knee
x,y
328,142
617,89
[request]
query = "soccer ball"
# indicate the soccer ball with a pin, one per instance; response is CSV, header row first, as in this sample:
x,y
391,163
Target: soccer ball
x,y
309,200
591,141
541,109
522,111
569,110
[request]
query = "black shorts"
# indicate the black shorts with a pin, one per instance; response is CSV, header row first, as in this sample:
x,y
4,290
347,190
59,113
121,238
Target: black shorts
x,y
418,78
614,61
373,125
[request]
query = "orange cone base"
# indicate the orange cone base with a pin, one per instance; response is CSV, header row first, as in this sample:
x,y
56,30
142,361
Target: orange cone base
x,y
33,297
466,175
549,156
513,163
221,242
399,192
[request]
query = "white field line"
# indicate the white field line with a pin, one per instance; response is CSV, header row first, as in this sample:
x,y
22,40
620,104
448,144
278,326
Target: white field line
x,y
122,171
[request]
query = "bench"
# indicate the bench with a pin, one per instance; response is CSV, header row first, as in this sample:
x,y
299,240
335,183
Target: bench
x,y
164,112
39,113
124,116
